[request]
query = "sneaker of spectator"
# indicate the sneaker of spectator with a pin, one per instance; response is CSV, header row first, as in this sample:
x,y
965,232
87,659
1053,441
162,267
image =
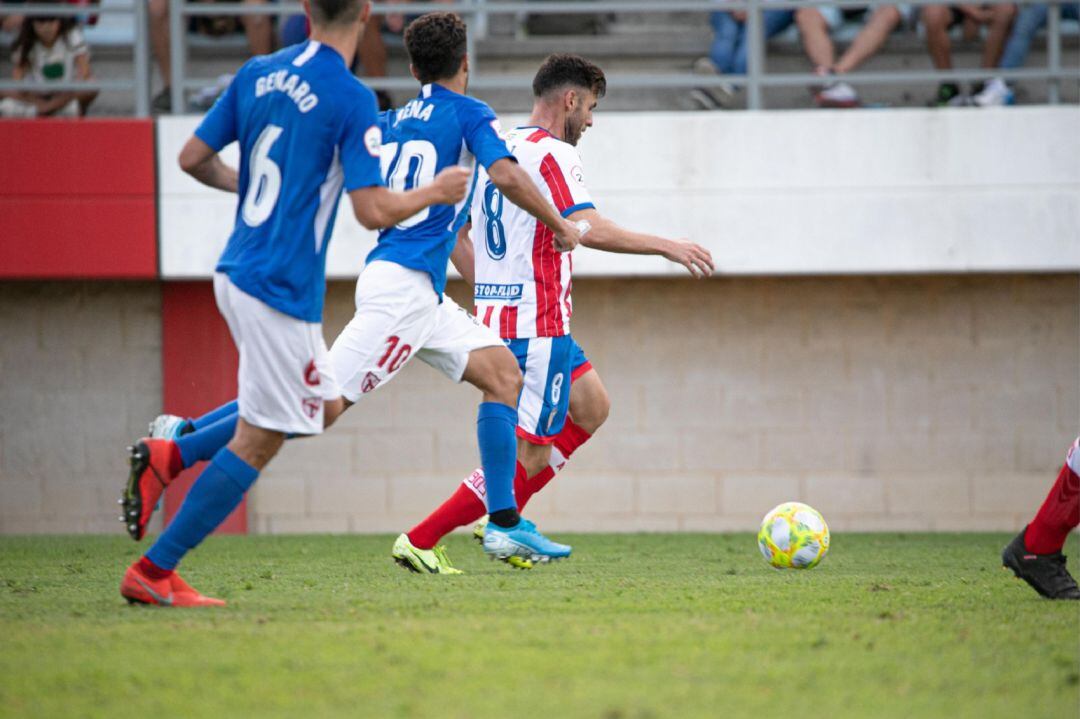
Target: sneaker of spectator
x,y
49,49
938,20
257,28
995,93
713,97
837,94
1029,20
815,27
949,94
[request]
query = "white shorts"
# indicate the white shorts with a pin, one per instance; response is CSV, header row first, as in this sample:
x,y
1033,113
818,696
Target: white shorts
x,y
284,366
398,317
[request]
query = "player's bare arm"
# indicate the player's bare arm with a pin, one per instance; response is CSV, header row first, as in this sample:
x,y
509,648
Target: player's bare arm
x,y
607,236
377,207
201,162
463,257
515,185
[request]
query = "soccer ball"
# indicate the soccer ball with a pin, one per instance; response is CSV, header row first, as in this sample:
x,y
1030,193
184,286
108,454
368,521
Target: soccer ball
x,y
793,536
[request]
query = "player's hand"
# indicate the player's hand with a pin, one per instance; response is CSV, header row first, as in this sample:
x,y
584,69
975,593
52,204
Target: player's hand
x,y
451,185
693,257
567,236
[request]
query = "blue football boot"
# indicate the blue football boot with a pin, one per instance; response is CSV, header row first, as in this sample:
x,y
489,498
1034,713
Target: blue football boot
x,y
522,540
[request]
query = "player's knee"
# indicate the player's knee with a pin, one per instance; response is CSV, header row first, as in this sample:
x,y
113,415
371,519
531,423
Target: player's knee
x,y
507,383
594,413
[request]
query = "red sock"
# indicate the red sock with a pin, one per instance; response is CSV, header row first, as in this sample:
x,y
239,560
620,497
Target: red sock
x,y
566,443
152,570
465,506
528,487
1059,514
461,508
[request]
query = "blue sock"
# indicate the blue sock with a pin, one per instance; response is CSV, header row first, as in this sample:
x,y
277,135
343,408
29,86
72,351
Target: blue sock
x,y
205,442
214,415
495,433
215,494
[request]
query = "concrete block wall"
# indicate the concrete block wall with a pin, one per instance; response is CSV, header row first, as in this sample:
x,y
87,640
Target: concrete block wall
x,y
890,403
80,376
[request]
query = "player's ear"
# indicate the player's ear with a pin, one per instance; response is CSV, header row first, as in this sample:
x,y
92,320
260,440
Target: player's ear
x,y
413,72
307,10
464,65
365,11
570,98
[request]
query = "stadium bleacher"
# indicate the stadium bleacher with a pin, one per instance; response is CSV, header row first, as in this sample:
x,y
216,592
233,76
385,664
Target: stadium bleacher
x,y
655,41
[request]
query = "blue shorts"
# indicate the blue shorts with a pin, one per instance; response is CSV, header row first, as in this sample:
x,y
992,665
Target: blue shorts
x,y
547,364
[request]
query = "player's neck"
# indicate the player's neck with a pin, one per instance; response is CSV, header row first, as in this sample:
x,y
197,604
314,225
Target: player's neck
x,y
344,41
458,83
543,116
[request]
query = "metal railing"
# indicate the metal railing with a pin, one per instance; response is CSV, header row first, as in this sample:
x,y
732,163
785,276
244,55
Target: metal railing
x,y
139,85
477,13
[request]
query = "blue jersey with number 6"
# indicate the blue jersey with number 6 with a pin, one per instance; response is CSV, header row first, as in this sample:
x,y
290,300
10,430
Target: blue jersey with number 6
x,y
439,129
306,127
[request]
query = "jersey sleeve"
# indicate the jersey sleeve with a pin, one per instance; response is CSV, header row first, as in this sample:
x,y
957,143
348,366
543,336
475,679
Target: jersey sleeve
x,y
482,133
561,170
360,144
219,127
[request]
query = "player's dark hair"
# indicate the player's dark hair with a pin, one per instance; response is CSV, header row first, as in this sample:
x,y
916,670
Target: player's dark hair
x,y
436,43
333,12
563,70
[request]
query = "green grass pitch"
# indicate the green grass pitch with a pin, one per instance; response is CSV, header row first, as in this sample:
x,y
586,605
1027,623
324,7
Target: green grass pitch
x,y
632,626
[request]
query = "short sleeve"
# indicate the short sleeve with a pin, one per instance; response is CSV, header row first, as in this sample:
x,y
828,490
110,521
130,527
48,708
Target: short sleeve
x,y
219,127
360,144
77,43
561,170
482,133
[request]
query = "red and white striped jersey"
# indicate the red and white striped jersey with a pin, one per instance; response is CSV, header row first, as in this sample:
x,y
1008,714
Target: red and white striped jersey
x,y
522,283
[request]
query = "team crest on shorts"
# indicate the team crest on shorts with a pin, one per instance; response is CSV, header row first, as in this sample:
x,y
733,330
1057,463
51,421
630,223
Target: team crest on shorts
x,y
371,381
311,406
311,375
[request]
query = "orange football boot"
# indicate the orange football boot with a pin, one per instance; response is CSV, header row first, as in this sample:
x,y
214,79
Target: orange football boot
x,y
154,465
172,591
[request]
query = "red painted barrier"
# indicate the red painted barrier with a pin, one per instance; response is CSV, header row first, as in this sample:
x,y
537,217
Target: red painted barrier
x,y
78,199
199,363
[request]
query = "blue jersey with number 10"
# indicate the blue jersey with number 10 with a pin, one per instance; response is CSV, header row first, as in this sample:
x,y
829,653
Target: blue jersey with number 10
x,y
439,129
306,128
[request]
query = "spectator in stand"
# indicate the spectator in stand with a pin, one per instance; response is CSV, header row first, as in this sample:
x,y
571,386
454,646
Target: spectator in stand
x,y
940,19
258,28
49,49
1029,21
727,55
13,23
815,24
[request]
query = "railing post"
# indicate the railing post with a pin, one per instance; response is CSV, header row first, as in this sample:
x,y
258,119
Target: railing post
x,y
177,54
142,59
470,44
481,21
1053,53
755,67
